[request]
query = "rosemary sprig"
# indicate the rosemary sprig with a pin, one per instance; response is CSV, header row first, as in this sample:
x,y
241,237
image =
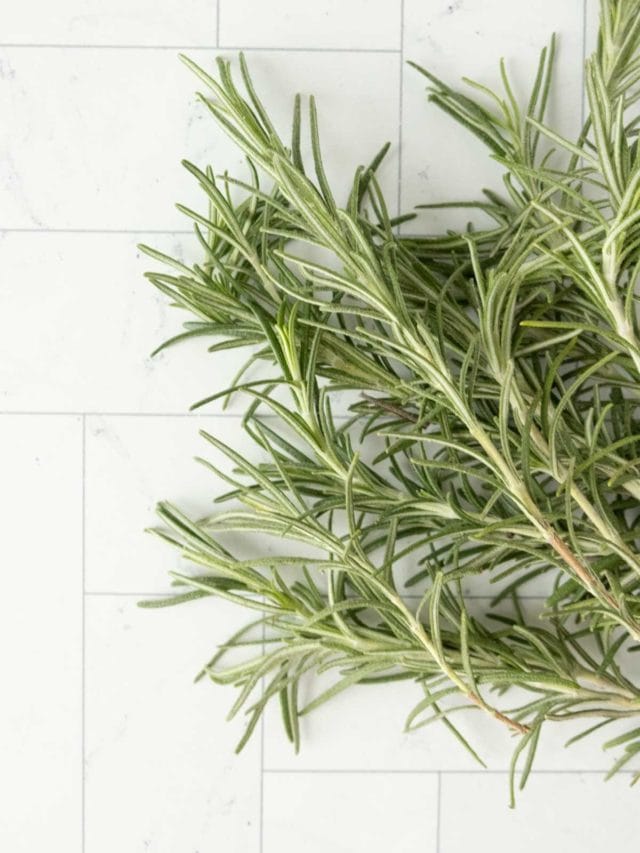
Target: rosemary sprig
x,y
496,427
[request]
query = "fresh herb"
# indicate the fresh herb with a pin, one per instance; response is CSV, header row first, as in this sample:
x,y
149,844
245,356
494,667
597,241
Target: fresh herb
x,y
495,428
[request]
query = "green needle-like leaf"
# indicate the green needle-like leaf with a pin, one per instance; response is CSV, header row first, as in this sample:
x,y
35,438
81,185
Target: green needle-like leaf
x,y
491,426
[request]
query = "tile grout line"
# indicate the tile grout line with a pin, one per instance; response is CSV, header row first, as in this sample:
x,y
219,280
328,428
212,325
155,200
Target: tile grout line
x,y
262,771
159,594
381,771
400,108
584,57
184,414
438,811
187,415
84,633
262,735
250,49
102,231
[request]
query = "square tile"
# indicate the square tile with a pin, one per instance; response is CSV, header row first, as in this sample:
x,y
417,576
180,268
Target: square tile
x,y
362,728
378,713
354,24
132,463
592,22
92,328
81,22
353,123
573,813
441,160
350,812
161,773
41,634
78,324
93,138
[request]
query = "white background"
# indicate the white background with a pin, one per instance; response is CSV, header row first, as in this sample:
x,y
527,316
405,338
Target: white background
x,y
105,744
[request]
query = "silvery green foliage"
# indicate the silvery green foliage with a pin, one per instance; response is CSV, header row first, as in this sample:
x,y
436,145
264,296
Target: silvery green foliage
x,y
496,428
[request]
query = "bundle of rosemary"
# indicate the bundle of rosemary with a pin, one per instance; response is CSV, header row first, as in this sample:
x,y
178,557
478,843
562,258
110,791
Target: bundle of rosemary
x,y
495,422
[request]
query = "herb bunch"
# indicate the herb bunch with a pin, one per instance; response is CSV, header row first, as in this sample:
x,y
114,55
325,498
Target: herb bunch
x,y
495,422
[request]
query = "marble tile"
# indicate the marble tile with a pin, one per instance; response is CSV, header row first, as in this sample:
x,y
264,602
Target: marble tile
x,y
592,19
569,812
94,138
87,346
349,812
326,24
161,773
132,463
41,634
441,160
93,22
364,728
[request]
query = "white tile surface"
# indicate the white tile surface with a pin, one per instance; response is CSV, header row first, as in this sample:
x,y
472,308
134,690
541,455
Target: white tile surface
x,y
351,132
161,774
96,22
440,159
132,463
96,136
89,344
378,714
349,813
592,10
90,143
41,634
345,24
574,813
